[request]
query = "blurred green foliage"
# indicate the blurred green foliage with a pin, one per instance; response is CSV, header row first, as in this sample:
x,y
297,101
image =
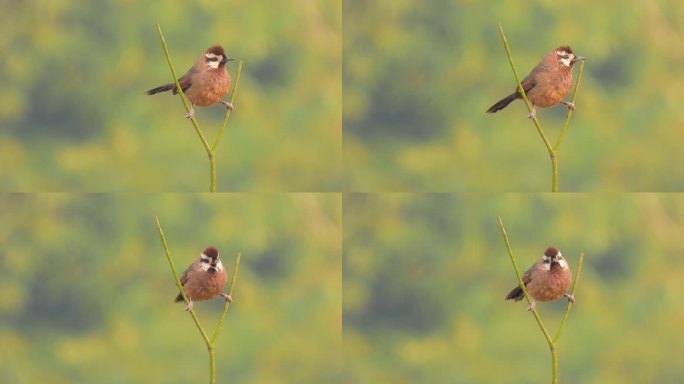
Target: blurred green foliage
x,y
75,116
418,78
425,277
87,294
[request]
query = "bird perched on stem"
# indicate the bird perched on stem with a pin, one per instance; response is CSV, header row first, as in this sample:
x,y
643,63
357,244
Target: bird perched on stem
x,y
205,83
548,83
204,279
548,279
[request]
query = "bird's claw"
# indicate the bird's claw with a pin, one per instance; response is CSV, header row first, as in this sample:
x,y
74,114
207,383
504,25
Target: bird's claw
x,y
532,305
532,114
190,114
190,304
570,297
569,105
228,298
228,105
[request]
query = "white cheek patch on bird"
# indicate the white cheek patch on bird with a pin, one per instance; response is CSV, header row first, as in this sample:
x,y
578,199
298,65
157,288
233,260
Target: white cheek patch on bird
x,y
565,58
214,266
213,60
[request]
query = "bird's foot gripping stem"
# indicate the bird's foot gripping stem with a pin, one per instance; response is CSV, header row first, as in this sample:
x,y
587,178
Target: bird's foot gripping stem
x,y
228,105
569,105
226,297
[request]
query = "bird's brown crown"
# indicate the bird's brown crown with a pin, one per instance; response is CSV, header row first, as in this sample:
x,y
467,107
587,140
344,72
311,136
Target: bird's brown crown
x,y
215,57
551,252
565,48
216,50
211,252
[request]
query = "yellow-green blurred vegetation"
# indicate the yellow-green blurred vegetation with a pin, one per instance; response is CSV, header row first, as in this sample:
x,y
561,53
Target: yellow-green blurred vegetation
x,y
75,116
418,77
86,294
425,278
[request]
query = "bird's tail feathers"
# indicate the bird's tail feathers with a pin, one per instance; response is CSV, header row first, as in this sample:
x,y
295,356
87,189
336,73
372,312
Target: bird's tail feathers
x,y
163,88
517,292
501,104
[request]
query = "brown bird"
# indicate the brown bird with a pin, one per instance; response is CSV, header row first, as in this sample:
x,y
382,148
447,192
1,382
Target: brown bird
x,y
548,279
204,279
205,83
548,83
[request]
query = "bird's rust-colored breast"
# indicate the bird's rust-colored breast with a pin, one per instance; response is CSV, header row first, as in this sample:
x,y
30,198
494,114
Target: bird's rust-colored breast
x,y
549,285
204,285
208,87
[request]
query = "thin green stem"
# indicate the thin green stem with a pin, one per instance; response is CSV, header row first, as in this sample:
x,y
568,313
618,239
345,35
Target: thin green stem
x,y
554,171
212,364
522,91
570,111
212,151
228,111
554,363
180,91
226,305
178,282
212,170
521,283
570,303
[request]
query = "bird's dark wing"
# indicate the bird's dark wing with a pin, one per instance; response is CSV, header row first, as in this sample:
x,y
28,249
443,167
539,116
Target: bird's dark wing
x,y
517,293
184,277
183,280
185,81
527,84
527,277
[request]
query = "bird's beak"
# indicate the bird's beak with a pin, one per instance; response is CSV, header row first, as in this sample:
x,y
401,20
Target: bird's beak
x,y
579,58
226,59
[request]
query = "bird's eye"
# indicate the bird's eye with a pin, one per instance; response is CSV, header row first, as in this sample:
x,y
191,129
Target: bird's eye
x,y
212,58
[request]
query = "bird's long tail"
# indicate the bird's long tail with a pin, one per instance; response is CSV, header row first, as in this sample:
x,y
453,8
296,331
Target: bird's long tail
x,y
163,88
517,293
501,104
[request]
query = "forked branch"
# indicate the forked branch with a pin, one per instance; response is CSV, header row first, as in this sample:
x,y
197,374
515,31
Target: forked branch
x,y
551,341
552,150
207,341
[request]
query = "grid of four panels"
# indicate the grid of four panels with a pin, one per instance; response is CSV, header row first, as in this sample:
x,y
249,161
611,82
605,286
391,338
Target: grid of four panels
x,y
332,196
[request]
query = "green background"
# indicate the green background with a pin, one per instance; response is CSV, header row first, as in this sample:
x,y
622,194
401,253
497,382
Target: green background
x,y
87,293
414,281
425,278
419,76
75,116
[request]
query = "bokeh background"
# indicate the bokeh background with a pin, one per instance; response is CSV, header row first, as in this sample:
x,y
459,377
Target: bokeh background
x,y
87,293
425,278
418,78
75,116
